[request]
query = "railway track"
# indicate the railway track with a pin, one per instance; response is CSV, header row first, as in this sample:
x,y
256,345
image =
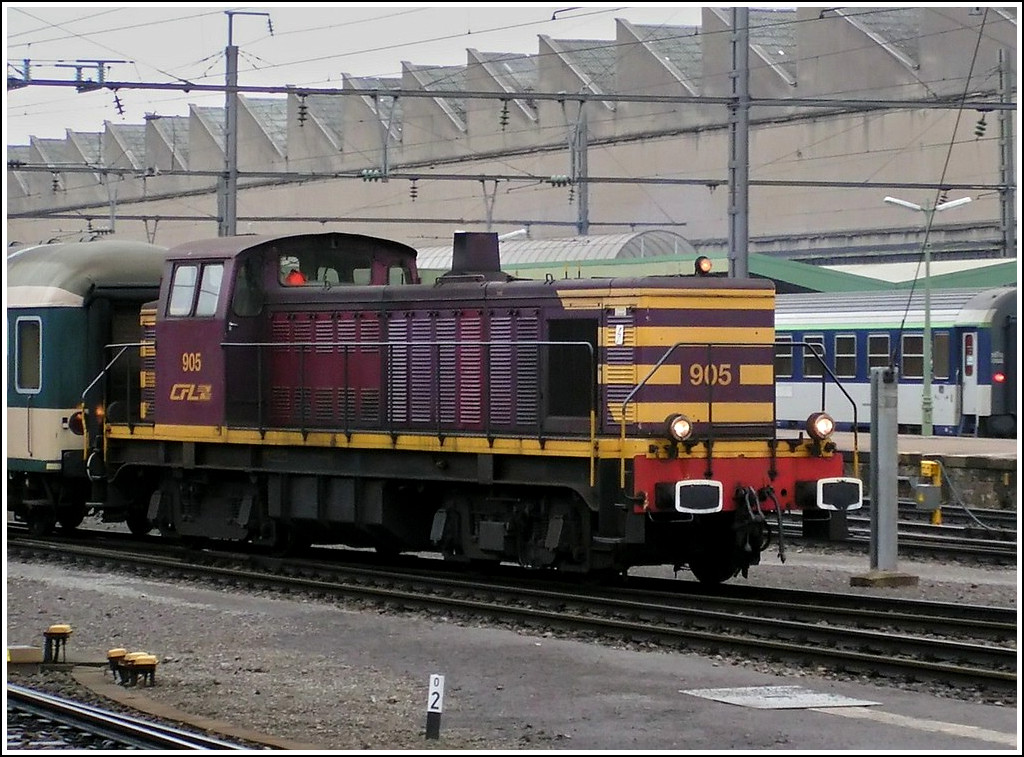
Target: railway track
x,y
960,646
985,536
40,720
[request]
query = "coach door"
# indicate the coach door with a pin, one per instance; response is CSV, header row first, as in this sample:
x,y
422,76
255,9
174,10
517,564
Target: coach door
x,y
969,374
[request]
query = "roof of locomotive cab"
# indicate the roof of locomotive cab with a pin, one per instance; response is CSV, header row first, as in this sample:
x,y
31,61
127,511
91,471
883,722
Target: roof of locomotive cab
x,y
230,247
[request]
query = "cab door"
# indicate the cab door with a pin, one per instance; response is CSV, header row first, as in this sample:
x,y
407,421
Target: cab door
x,y
189,357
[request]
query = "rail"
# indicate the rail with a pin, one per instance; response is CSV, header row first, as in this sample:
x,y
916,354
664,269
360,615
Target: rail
x,y
813,348
133,733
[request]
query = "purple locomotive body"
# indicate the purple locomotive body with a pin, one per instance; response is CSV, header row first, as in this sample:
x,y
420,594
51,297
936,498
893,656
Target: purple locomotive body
x,y
309,388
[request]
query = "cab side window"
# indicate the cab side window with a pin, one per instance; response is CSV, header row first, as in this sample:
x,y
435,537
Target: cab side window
x,y
248,294
195,290
183,287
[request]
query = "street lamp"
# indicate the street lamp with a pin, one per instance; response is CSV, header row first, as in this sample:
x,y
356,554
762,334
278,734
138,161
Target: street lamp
x,y
926,380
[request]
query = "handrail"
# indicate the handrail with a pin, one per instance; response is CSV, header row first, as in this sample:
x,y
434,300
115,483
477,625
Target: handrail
x,y
103,372
835,380
109,365
622,420
438,344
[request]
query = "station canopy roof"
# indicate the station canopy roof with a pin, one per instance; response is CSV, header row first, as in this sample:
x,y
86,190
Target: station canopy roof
x,y
655,251
662,251
518,251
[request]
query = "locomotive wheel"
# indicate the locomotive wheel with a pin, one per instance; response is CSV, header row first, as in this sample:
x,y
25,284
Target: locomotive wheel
x,y
41,521
138,524
71,517
712,570
288,541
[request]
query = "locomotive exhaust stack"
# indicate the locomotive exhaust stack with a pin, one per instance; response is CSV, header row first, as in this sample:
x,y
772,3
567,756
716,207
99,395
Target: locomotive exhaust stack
x,y
475,256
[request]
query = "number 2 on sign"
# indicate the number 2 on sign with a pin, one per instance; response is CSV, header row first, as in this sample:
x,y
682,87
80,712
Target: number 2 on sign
x,y
435,696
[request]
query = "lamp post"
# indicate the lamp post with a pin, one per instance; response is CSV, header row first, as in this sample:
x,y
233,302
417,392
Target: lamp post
x,y
926,380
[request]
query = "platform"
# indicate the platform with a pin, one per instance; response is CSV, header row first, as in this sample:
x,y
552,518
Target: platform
x,y
983,471
959,446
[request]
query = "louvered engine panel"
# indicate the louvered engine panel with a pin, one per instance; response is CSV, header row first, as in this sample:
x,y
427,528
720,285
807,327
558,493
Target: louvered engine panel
x,y
470,368
397,360
448,372
527,368
620,369
501,371
422,379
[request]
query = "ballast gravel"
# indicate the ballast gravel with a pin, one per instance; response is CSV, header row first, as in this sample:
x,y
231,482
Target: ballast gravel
x,y
331,676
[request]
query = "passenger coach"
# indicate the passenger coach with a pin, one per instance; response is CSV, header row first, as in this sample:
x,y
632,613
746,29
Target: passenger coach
x,y
974,357
65,303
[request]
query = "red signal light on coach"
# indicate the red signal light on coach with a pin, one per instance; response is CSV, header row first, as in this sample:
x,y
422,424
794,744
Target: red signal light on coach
x,y
998,377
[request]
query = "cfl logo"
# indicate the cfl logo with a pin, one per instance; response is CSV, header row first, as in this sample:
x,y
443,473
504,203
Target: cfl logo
x,y
191,393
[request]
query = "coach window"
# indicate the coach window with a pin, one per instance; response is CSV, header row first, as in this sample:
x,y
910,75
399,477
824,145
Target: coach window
x,y
846,355
815,346
940,354
784,357
878,351
912,356
28,349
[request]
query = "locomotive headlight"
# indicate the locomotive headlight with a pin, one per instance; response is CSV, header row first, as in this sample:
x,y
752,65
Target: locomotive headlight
x,y
678,427
820,426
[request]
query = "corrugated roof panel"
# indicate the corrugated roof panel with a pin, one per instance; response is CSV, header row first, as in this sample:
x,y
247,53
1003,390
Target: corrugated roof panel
x,y
214,119
518,72
89,143
444,78
681,45
53,150
899,27
174,130
775,31
329,113
133,138
390,107
819,310
596,58
271,113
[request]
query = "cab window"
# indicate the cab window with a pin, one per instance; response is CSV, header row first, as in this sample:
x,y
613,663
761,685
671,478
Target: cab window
x,y
195,289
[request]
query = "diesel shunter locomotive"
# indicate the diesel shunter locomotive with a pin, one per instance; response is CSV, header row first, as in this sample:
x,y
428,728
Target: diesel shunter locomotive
x,y
309,389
